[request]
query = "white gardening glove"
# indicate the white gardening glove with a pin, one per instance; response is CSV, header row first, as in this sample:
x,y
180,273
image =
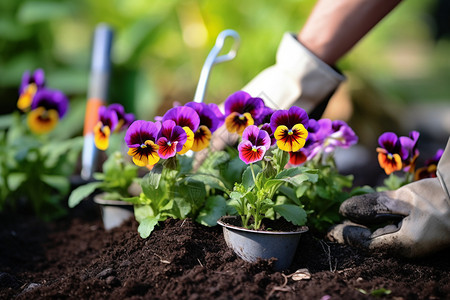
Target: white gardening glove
x,y
297,78
421,211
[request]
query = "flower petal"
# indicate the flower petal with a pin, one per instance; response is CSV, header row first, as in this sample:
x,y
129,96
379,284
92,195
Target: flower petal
x,y
249,153
202,138
236,122
101,136
41,121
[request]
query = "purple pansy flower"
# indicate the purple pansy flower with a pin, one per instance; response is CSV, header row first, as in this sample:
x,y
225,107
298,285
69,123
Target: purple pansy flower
x,y
255,142
48,107
209,122
389,152
111,118
141,139
241,110
171,139
290,128
124,119
30,84
188,119
409,151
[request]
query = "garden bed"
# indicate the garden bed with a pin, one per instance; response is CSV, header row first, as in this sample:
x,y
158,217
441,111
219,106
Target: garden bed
x,y
75,258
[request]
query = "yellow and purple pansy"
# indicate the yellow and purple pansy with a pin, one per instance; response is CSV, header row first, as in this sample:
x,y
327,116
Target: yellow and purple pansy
x,y
47,108
210,119
188,119
255,142
389,152
29,86
171,139
141,139
429,170
290,128
111,119
241,111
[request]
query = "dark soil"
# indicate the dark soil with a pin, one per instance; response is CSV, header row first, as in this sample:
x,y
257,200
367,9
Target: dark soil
x,y
75,258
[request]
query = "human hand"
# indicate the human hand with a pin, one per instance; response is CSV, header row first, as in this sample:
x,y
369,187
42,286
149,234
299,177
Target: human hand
x,y
419,214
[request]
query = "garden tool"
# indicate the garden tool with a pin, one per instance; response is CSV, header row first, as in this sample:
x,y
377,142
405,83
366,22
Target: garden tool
x,y
297,78
97,93
213,59
417,217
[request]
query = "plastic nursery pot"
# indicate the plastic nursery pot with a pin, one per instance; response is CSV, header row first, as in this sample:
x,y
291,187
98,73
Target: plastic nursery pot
x,y
251,244
114,212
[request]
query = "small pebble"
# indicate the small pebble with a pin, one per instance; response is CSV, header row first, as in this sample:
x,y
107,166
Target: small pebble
x,y
301,274
105,273
31,286
112,280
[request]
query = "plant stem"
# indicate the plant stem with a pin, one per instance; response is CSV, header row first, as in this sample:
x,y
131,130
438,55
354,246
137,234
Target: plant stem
x,y
253,175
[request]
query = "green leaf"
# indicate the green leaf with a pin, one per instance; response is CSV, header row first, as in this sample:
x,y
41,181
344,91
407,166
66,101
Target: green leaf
x,y
215,207
210,181
151,186
15,180
292,213
380,292
82,192
60,183
142,212
290,194
181,208
147,225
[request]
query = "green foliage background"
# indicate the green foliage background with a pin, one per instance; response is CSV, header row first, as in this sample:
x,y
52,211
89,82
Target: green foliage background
x,y
160,46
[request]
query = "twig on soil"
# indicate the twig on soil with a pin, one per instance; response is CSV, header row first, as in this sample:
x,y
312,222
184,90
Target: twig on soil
x,y
328,253
182,223
200,262
160,259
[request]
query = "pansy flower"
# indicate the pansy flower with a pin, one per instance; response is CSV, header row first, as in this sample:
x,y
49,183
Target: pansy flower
x,y
125,119
255,142
209,122
30,84
429,170
111,119
188,119
409,151
141,139
340,135
389,152
312,144
171,139
48,107
241,111
290,128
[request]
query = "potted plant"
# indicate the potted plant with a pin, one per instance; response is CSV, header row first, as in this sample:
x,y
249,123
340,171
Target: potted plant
x,y
118,174
36,160
269,192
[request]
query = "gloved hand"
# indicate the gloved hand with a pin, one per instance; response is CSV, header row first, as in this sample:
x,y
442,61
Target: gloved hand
x,y
297,78
421,211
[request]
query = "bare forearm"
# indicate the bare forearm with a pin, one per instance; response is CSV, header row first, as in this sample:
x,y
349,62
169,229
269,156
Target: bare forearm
x,y
335,26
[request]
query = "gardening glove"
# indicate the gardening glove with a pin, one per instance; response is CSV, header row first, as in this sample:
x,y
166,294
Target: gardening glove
x,y
421,210
297,78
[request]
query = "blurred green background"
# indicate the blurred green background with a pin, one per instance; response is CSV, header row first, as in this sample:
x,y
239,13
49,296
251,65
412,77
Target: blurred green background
x,y
160,46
